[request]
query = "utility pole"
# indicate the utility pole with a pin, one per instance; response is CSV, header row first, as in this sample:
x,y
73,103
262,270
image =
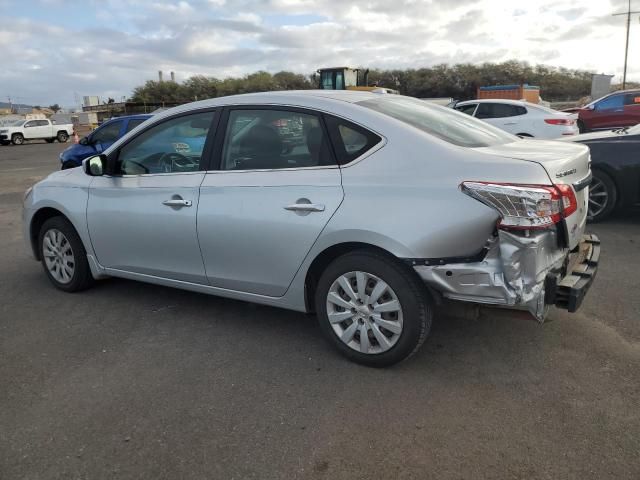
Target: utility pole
x,y
628,13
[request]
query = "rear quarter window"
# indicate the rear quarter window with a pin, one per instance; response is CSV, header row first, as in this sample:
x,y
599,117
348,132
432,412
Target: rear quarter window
x,y
350,141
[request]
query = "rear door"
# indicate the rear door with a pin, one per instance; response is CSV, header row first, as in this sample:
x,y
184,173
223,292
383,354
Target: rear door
x,y
273,187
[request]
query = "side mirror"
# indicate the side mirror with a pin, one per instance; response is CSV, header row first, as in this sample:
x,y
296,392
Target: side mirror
x,y
591,107
95,166
84,141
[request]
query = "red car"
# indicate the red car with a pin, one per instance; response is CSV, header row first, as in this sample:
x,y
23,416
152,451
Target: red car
x,y
616,110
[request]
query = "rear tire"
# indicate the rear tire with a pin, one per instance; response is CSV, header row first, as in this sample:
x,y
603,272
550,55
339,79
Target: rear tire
x,y
63,256
387,302
62,137
603,196
581,127
17,139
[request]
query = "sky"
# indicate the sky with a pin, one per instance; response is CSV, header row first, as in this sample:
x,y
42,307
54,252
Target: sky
x,y
57,51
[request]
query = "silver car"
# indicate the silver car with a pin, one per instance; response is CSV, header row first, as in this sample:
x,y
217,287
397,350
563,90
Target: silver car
x,y
385,207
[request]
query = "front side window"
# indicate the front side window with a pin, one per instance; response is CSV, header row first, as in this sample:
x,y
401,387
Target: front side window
x,y
32,123
173,146
609,103
107,133
133,123
441,122
468,109
274,139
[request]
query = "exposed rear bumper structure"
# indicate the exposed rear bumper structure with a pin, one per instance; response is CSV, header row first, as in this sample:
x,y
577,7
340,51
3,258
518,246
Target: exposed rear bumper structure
x,y
520,272
568,292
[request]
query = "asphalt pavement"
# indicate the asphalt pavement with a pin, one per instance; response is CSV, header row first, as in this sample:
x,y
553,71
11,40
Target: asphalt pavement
x,y
129,380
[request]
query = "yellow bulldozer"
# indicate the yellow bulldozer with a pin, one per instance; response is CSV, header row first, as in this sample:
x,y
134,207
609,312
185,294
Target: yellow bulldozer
x,y
347,78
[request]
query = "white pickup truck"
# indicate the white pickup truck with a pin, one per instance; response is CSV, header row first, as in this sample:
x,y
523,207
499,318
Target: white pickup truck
x,y
21,130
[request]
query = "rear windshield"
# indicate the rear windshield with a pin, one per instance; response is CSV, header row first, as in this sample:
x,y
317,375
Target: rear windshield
x,y
445,123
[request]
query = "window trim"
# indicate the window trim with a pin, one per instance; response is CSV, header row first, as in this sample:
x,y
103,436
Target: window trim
x,y
336,138
221,132
112,158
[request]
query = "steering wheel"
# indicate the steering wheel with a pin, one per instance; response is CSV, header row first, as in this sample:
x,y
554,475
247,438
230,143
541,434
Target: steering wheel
x,y
169,159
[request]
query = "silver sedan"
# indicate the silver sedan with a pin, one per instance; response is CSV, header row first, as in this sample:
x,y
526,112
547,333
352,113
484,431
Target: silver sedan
x,y
366,209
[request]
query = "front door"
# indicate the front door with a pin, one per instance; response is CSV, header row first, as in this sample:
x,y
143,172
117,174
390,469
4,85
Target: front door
x,y
276,188
142,219
32,129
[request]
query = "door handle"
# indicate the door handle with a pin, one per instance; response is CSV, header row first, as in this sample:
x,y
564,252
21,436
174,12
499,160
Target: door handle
x,y
177,202
511,123
305,207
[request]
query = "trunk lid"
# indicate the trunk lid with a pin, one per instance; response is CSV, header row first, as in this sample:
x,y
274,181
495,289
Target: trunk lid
x,y
565,163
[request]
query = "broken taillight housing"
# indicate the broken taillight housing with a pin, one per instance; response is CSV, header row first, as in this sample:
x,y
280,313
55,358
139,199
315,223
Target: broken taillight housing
x,y
525,206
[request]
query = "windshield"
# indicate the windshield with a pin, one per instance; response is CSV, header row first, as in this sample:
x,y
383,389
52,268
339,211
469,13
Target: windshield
x,y
16,123
444,123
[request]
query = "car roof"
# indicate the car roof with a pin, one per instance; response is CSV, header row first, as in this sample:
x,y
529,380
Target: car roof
x,y
498,100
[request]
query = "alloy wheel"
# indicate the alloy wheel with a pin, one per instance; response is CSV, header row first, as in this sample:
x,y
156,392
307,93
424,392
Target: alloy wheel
x,y
598,198
58,256
364,312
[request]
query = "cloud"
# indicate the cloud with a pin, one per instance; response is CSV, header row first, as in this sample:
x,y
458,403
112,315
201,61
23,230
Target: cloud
x,y
107,47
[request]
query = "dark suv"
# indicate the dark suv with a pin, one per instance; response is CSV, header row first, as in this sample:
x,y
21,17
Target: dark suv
x,y
616,110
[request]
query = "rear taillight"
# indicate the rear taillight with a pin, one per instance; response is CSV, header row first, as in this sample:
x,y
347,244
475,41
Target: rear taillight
x,y
560,121
524,206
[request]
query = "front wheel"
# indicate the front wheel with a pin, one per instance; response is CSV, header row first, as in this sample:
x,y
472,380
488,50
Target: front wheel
x,y
62,137
17,139
63,256
603,196
581,127
373,308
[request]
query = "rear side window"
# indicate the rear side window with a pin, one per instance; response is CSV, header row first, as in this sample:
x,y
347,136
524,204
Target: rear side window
x,y
441,122
499,110
350,140
272,139
632,98
134,123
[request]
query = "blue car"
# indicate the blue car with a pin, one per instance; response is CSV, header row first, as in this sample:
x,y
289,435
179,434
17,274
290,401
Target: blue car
x,y
100,139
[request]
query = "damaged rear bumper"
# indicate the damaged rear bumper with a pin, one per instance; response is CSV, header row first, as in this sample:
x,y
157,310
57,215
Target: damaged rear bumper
x,y
518,271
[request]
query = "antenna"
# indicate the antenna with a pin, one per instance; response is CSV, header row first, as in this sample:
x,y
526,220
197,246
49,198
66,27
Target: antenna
x,y
628,13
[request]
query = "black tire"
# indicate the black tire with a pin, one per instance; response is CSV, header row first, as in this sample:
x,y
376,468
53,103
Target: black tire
x,y
62,137
603,183
17,139
49,140
81,277
581,127
414,299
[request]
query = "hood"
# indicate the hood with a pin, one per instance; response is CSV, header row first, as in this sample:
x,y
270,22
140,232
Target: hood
x,y
72,177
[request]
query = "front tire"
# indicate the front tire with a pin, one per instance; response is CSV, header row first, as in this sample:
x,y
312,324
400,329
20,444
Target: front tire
x,y
17,139
63,256
372,308
62,137
581,127
603,196
49,140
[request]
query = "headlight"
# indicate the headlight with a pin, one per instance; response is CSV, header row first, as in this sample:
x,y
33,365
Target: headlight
x,y
27,193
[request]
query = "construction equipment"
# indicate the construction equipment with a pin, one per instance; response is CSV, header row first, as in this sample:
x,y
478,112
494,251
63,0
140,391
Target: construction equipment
x,y
347,78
